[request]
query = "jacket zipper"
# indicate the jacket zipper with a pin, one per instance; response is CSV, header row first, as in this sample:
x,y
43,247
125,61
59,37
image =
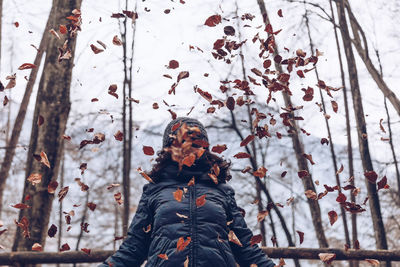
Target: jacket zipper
x,y
192,224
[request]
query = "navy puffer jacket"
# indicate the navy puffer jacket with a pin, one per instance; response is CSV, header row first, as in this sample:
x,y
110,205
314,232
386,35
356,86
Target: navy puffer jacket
x,y
207,226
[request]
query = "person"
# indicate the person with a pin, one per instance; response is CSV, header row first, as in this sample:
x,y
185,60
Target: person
x,y
188,216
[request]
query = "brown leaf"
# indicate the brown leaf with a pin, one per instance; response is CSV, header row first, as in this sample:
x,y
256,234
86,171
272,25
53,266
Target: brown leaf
x,y
247,140
332,216
219,148
311,194
242,155
52,230
340,169
182,75
229,30
40,120
44,159
37,247
213,20
178,195
200,201
230,103
327,257
173,64
280,13
21,206
191,182
95,49
260,172
309,157
119,136
371,176
189,160
64,247
148,150
118,198
91,206
301,236
373,262
145,176
116,40
302,173
334,106
26,66
12,81
381,126
35,178
53,32
234,239
62,29
382,184
261,215
63,192
255,239
341,198
86,250
51,188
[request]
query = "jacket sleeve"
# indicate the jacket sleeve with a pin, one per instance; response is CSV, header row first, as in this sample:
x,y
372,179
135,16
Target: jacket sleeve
x,y
133,251
245,255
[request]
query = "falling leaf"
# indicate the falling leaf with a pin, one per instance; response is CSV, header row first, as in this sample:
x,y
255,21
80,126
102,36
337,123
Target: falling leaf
x,y
173,64
381,126
302,173
191,182
327,257
300,74
332,216
260,172
213,20
91,206
40,120
119,136
145,176
116,40
63,192
341,198
182,75
280,13
261,215
371,176
309,157
230,103
148,150
37,247
242,155
63,29
147,229
382,184
44,159
373,262
301,236
118,198
21,206
247,140
53,32
163,256
26,66
334,106
95,49
182,244
234,239
255,239
200,201
178,195
52,230
340,169
86,250
64,247
51,188
229,30
35,178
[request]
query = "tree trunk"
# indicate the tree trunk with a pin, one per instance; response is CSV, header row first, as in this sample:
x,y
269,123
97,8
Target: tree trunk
x,y
362,50
331,145
19,121
299,150
379,230
354,234
53,105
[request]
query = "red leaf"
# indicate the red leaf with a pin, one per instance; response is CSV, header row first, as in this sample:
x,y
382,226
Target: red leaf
x,y
234,239
37,247
91,206
280,13
119,136
163,256
341,198
247,140
21,206
242,155
301,236
182,244
178,195
52,230
116,40
64,247
261,215
86,250
229,30
173,64
26,66
332,216
309,157
200,201
300,74
255,239
213,20
63,29
35,178
302,173
371,176
95,49
382,184
182,75
260,172
51,188
218,148
218,44
148,150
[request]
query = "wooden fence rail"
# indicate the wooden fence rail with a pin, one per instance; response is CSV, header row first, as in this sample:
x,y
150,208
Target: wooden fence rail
x,y
8,258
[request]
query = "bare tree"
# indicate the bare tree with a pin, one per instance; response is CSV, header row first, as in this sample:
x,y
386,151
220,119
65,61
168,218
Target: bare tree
x,y
52,108
19,121
376,216
299,151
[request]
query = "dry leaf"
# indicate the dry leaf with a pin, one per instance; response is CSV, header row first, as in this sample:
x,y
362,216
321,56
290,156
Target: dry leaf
x,y
233,238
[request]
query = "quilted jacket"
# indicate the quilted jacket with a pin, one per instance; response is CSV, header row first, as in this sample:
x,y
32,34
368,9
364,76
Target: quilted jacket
x,y
206,225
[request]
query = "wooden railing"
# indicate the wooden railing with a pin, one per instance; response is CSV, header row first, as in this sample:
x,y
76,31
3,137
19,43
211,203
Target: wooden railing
x,y
25,257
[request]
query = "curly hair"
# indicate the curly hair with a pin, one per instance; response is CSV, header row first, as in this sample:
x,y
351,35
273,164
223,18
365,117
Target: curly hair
x,y
207,161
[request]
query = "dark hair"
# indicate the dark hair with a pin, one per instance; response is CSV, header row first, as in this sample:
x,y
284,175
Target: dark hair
x,y
207,160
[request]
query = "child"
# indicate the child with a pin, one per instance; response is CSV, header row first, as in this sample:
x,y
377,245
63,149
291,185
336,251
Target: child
x,y
188,216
